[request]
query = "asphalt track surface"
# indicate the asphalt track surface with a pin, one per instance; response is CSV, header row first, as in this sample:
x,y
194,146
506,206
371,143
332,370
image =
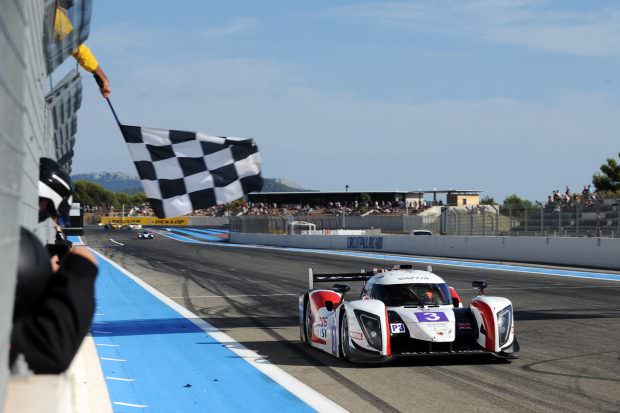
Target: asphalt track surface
x,y
568,328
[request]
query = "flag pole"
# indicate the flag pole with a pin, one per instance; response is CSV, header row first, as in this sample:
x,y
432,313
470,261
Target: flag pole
x,y
100,84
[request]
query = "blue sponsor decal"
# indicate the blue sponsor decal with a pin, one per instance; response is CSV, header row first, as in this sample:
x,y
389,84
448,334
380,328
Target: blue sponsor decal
x,y
365,243
431,317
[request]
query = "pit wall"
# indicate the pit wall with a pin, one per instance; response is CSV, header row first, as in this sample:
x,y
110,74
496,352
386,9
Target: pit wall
x,y
22,142
581,252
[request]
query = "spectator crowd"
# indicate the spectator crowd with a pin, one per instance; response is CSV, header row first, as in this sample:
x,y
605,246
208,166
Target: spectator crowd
x,y
242,207
567,198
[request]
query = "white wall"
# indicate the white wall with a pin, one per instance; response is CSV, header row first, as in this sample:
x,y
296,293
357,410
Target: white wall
x,y
587,252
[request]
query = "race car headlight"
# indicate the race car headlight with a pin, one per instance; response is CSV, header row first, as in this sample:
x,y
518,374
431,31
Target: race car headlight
x,y
371,326
504,324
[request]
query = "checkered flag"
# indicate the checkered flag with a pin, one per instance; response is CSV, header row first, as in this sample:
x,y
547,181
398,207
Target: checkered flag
x,y
184,171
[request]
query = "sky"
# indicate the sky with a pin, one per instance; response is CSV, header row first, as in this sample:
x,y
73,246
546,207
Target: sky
x,y
511,97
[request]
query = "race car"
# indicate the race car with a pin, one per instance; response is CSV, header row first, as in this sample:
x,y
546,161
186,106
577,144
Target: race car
x,y
145,235
402,312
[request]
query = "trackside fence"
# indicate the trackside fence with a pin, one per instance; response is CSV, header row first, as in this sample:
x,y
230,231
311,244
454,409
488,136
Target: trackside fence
x,y
601,219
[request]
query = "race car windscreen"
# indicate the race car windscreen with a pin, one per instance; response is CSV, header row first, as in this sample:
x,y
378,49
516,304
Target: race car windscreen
x,y
397,295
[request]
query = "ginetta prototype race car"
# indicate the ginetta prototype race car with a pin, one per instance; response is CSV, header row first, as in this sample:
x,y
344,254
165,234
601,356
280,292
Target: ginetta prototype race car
x,y
145,235
403,312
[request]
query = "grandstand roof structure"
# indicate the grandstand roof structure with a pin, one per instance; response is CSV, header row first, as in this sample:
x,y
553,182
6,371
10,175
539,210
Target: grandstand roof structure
x,y
314,198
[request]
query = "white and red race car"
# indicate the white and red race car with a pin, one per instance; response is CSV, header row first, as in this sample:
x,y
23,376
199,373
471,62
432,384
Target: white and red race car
x,y
145,235
403,312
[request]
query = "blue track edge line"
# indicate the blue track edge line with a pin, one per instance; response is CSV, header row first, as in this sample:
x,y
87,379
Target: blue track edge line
x,y
196,234
447,262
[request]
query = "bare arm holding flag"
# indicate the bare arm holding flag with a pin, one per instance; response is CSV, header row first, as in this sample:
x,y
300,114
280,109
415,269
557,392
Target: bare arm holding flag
x,y
82,54
87,60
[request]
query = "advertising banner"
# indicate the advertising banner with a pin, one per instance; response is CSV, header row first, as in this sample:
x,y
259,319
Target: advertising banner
x,y
145,220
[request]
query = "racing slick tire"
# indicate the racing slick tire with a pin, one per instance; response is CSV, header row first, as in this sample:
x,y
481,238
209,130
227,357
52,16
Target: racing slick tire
x,y
308,323
345,350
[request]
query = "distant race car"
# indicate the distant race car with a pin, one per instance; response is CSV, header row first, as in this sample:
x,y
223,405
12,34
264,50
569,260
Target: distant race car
x,y
403,312
145,235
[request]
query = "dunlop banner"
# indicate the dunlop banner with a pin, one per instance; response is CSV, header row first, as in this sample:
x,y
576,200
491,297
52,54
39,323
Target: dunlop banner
x,y
145,220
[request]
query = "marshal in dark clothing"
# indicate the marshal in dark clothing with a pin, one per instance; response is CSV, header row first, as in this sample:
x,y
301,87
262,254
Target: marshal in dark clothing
x,y
53,311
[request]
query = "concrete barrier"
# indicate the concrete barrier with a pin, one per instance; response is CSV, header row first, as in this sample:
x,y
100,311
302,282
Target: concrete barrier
x,y
582,252
209,221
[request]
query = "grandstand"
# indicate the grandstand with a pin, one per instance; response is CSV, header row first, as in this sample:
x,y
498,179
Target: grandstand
x,y
410,199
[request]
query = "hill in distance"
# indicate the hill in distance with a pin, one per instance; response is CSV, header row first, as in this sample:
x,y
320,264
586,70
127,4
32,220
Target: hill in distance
x,y
122,182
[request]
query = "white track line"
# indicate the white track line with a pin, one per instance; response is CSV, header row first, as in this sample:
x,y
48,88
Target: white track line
x,y
553,287
237,295
311,397
119,379
140,406
120,244
112,359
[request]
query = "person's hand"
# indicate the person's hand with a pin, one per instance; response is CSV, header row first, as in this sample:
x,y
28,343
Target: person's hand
x,y
55,263
105,89
84,253
103,82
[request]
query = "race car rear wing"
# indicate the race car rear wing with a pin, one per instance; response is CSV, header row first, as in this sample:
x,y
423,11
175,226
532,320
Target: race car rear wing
x,y
363,275
336,277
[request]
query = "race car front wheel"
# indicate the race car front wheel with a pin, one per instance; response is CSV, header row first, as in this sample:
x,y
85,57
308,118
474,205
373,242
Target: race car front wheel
x,y
308,323
344,337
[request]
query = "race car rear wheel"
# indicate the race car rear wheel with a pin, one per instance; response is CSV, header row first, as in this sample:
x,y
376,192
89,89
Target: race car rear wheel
x,y
344,337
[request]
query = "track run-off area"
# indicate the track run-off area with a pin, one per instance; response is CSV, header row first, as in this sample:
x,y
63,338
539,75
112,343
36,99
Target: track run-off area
x,y
568,328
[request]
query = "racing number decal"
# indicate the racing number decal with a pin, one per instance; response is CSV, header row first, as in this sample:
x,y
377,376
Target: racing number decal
x,y
396,328
431,317
322,327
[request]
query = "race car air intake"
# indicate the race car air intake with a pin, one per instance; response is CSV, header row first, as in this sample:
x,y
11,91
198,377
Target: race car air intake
x,y
371,326
504,324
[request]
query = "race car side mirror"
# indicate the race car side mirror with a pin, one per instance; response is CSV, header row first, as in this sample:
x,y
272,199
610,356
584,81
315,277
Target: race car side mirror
x,y
329,305
455,302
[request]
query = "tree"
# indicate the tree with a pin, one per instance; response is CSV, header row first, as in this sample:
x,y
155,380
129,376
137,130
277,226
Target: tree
x,y
91,194
121,199
516,202
609,178
488,200
365,199
138,199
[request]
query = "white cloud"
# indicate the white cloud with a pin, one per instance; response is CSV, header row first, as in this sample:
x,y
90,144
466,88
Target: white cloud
x,y
325,140
528,23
